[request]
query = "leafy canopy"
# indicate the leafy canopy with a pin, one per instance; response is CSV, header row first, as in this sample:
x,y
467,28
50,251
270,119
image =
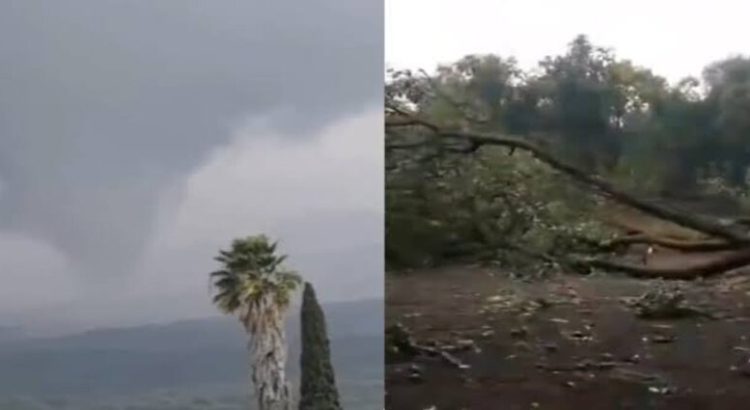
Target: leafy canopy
x,y
251,269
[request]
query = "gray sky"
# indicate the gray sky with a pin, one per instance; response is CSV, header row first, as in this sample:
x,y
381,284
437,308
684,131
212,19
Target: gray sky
x,y
139,137
674,38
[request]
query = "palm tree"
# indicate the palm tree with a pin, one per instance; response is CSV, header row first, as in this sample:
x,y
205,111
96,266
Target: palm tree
x,y
253,286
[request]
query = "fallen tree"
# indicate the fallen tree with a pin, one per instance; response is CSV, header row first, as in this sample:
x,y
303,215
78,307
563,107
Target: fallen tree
x,y
728,242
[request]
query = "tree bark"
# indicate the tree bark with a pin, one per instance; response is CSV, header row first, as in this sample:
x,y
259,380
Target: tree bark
x,y
714,267
676,244
265,324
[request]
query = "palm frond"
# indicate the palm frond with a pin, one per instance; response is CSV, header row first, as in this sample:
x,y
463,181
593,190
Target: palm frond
x,y
220,273
227,302
228,283
251,269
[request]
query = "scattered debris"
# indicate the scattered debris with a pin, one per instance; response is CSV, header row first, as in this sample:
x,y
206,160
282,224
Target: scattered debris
x,y
584,365
580,336
660,389
635,376
615,357
465,344
661,338
461,345
633,359
551,347
519,332
664,339
495,299
415,374
743,369
399,340
664,302
454,361
543,303
487,333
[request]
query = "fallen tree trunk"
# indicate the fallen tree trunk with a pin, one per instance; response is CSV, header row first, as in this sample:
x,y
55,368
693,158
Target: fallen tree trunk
x,y
634,222
714,267
675,244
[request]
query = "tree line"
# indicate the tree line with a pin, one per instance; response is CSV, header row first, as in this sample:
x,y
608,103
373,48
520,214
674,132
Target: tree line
x,y
602,112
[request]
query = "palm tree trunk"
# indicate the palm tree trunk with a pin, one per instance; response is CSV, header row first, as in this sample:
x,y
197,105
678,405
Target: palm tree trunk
x,y
268,355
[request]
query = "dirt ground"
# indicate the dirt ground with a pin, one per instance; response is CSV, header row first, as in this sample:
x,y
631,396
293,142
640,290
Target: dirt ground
x,y
569,342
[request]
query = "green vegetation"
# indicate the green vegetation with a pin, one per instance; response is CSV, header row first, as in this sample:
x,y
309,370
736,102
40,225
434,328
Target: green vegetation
x,y
318,387
486,161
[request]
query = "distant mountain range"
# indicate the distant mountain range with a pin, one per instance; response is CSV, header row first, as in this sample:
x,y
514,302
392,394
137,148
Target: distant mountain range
x,y
202,361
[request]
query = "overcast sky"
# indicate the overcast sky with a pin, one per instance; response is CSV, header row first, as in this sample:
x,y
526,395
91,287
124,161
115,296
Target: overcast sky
x,y
674,38
139,137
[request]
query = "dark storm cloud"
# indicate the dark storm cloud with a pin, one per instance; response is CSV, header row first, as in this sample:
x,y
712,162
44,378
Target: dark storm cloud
x,y
104,103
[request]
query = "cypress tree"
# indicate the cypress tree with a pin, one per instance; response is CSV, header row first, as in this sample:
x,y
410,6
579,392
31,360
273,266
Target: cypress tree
x,y
318,386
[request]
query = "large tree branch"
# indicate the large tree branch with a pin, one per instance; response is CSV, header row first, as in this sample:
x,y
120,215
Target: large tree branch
x,y
713,267
676,244
605,188
602,187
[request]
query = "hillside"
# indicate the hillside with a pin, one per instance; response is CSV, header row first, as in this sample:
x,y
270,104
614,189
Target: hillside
x,y
190,364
